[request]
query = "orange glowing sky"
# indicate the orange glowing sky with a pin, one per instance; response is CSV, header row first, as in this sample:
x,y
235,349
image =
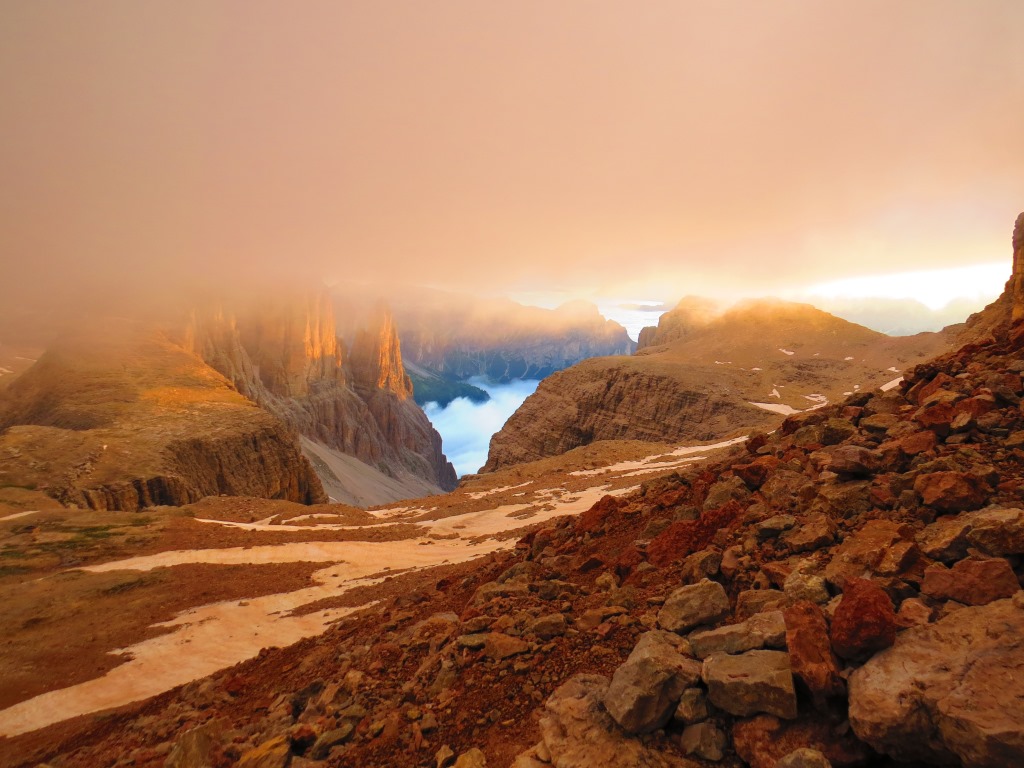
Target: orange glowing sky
x,y
650,149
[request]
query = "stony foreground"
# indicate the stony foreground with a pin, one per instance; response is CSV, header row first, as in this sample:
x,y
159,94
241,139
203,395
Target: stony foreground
x,y
843,592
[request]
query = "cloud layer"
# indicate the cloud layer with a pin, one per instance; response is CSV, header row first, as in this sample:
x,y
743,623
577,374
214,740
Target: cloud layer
x,y
466,427
667,147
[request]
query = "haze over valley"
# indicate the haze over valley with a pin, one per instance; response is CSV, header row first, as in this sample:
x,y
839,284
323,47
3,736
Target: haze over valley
x,y
533,385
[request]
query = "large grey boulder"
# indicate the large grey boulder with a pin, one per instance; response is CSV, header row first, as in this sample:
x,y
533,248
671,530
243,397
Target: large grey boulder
x,y
645,689
577,732
693,605
948,693
752,682
763,630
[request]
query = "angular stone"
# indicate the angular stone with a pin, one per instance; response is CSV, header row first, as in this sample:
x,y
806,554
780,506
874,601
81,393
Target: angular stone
x,y
952,491
700,565
865,550
763,630
694,605
547,627
330,739
998,531
946,538
501,646
274,753
853,460
578,732
812,532
645,689
804,758
864,621
949,692
756,681
972,582
474,758
800,585
704,740
810,651
194,748
773,526
692,707
751,601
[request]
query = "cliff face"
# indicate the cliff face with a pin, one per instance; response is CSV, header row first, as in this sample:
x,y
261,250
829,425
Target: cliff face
x,y
454,337
286,357
702,379
121,420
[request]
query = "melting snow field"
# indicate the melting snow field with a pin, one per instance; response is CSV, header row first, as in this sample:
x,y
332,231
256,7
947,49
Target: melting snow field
x,y
208,638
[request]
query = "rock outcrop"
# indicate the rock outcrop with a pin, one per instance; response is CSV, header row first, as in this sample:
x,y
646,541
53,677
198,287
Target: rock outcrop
x,y
700,377
285,356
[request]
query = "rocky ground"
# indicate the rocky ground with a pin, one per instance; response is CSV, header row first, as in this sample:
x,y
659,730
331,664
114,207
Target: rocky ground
x,y
845,591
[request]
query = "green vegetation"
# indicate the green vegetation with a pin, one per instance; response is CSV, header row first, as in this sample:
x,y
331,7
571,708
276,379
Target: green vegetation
x,y
441,391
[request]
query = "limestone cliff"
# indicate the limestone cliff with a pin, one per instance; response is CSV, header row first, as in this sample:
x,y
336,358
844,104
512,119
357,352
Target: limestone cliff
x,y
997,319
285,355
124,419
701,379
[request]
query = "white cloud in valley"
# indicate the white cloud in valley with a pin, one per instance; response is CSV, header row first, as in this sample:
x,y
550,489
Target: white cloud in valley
x,y
466,427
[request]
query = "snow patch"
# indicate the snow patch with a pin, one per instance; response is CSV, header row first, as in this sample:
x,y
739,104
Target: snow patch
x,y
786,351
785,410
891,384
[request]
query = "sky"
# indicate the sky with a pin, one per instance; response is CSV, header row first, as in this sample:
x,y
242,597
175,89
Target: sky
x,y
644,150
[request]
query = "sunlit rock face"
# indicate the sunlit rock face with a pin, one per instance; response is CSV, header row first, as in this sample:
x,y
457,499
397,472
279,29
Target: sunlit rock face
x,y
285,354
1016,284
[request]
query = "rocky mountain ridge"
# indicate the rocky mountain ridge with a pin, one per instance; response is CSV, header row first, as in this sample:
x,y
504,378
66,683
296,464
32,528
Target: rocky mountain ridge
x,y
286,356
703,376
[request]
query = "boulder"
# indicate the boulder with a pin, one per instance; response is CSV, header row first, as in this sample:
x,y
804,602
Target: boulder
x,y
972,582
694,605
274,753
864,621
952,491
763,630
998,531
753,601
645,689
853,460
473,758
704,740
882,547
949,692
577,731
756,681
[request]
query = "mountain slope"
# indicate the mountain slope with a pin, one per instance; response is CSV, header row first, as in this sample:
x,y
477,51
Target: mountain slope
x,y
115,418
699,376
285,355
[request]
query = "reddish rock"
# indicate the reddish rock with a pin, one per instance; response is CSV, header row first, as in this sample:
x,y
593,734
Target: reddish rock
x,y
922,391
976,406
755,473
594,519
853,460
973,582
684,537
917,442
864,621
879,546
952,491
763,740
937,418
810,653
627,562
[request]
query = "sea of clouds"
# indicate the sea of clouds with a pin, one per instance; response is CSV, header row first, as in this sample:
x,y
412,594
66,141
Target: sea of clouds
x,y
466,427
